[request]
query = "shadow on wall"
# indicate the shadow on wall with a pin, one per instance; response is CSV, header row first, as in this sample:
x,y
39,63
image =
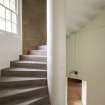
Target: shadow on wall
x,y
34,24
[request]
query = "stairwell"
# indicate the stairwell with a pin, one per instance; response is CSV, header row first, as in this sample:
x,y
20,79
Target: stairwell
x,y
25,82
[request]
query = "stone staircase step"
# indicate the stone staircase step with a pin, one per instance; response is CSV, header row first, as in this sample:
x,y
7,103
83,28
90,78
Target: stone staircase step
x,y
38,52
14,82
24,72
30,64
38,101
43,47
25,82
10,95
33,58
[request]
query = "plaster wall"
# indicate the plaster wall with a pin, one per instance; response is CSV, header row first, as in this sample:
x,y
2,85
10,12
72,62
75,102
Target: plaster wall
x,y
87,55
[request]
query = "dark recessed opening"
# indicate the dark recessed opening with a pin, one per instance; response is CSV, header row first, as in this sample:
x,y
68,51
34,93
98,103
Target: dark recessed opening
x,y
74,91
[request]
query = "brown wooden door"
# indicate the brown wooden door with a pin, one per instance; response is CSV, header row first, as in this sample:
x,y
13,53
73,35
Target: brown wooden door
x,y
74,91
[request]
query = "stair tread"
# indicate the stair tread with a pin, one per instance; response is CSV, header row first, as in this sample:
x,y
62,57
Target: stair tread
x,y
28,102
42,50
43,46
41,56
9,92
38,52
31,62
13,79
24,69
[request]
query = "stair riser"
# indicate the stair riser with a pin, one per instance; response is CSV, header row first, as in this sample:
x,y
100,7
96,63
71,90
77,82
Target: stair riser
x,y
28,83
43,47
8,73
25,95
38,53
33,66
40,59
44,101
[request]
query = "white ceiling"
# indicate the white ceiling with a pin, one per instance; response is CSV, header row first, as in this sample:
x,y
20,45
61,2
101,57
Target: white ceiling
x,y
80,12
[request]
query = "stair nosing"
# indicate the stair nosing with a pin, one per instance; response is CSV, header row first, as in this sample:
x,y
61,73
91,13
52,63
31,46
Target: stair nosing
x,y
16,79
25,69
30,62
40,56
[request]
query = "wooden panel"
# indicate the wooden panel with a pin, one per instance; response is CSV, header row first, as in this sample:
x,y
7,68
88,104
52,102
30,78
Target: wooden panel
x,y
74,91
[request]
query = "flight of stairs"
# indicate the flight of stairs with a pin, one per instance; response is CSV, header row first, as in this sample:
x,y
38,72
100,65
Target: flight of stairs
x,y
25,82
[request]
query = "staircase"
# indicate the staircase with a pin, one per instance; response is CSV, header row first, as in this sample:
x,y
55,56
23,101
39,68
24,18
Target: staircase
x,y
25,82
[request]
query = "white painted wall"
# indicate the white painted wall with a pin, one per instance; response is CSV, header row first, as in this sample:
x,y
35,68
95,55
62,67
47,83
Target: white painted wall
x,y
87,55
10,45
80,12
56,51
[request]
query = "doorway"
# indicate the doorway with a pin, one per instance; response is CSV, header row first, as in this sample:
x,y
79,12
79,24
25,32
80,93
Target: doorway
x,y
74,91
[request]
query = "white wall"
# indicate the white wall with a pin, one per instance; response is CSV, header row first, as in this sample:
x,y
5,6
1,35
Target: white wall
x,y
87,55
10,46
56,51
